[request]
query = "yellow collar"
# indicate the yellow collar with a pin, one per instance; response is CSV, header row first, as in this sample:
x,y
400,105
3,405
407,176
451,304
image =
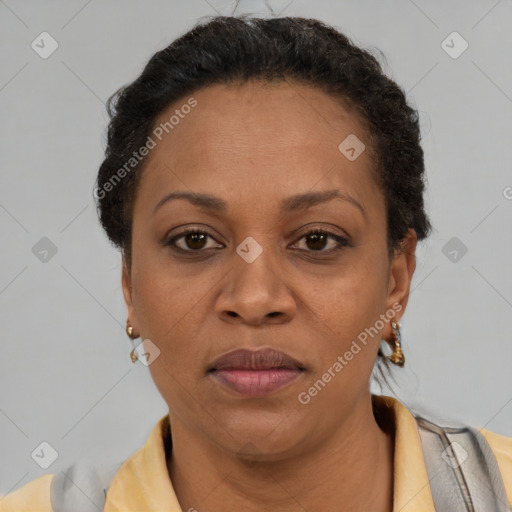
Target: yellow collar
x,y
142,482
411,484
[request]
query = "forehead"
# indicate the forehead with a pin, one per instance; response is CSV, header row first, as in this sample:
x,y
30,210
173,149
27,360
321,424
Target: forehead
x,y
262,115
258,136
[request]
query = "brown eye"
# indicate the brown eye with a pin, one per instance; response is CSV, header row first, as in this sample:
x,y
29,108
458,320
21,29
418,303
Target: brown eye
x,y
317,240
191,240
195,240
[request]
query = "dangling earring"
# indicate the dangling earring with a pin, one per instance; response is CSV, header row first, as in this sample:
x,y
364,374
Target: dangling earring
x,y
397,357
132,336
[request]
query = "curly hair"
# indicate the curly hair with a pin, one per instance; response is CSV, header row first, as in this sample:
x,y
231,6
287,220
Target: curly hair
x,y
226,50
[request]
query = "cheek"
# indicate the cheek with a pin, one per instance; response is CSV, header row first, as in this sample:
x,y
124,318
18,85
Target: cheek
x,y
162,293
167,312
353,298
166,308
348,324
172,309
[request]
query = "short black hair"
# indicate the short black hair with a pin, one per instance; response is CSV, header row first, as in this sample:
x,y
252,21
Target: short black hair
x,y
226,50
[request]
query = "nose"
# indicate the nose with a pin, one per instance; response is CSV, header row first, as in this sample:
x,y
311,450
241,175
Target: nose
x,y
255,293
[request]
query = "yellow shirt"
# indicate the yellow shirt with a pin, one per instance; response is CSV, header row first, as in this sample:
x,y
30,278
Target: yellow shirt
x,y
142,483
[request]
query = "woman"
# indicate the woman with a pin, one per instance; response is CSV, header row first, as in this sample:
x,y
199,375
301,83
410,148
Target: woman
x,y
264,181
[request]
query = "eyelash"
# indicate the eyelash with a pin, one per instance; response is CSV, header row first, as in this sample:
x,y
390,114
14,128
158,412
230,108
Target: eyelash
x,y
342,241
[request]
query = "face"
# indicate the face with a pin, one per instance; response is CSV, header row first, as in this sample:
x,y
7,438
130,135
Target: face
x,y
291,255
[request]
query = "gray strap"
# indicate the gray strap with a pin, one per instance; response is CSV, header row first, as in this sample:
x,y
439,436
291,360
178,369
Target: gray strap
x,y
462,469
81,488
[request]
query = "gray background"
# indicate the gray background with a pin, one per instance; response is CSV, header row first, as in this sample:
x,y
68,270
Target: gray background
x,y
66,375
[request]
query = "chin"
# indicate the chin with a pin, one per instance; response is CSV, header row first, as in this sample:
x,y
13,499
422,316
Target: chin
x,y
259,433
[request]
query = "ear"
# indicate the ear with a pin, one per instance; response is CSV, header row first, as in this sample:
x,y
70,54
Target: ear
x,y
401,270
126,283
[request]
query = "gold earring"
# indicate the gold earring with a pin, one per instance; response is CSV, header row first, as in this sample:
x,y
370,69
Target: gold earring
x,y
397,357
132,336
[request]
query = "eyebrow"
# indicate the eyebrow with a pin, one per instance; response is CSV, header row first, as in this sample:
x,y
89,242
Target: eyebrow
x,y
291,204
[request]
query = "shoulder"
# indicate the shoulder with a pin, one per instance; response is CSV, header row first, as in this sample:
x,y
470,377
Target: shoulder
x,y
502,449
34,496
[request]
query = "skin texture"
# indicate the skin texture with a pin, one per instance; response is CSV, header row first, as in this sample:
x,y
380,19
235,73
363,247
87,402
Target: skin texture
x,y
254,145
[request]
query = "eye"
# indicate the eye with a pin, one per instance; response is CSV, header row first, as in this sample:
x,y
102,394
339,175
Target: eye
x,y
192,240
317,240
196,240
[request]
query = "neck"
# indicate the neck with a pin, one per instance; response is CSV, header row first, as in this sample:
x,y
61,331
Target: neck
x,y
352,470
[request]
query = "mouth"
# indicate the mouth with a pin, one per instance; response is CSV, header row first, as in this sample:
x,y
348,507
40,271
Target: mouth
x,y
255,373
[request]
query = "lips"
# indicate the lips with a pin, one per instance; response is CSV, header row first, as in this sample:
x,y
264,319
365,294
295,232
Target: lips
x,y
262,359
255,373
